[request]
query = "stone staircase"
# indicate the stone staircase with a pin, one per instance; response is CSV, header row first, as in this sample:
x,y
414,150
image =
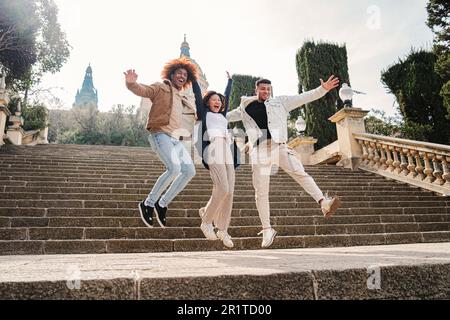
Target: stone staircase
x,y
72,199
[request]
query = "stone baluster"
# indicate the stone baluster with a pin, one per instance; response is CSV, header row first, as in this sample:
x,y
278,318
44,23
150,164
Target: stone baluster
x,y
389,161
411,166
428,170
383,156
437,173
365,155
404,164
396,163
445,171
376,157
419,168
371,156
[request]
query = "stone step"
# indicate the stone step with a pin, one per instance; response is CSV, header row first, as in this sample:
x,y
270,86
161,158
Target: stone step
x,y
183,213
125,162
196,205
157,170
205,197
196,180
414,271
153,177
154,168
239,186
72,167
189,191
66,233
186,245
135,221
83,199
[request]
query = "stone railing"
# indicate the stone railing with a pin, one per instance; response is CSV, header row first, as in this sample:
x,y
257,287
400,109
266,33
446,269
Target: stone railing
x,y
14,132
425,165
4,114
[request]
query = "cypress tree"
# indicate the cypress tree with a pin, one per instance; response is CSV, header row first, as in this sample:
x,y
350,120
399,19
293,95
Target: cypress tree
x,y
317,61
439,22
243,85
416,86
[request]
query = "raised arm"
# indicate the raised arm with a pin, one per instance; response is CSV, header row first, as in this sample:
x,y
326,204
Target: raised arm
x,y
198,100
139,89
227,94
294,102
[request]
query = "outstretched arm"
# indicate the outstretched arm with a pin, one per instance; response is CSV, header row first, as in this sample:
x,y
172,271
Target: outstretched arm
x,y
198,100
227,94
234,115
139,89
294,102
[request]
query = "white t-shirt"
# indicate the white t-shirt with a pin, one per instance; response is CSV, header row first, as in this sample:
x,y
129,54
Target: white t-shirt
x,y
218,152
217,125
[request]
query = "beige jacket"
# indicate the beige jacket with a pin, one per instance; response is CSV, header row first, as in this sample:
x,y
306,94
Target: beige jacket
x,y
161,95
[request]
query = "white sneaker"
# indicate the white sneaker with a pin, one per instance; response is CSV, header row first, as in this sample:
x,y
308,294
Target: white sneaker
x,y
226,239
268,237
208,231
330,205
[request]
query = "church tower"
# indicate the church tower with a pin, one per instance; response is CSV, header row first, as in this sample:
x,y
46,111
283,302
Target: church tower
x,y
88,94
201,76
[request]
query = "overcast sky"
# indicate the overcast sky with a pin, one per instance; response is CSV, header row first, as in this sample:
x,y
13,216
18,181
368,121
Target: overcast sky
x,y
257,37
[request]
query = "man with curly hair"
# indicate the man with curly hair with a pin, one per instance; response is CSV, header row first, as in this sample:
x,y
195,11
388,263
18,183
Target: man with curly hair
x,y
166,133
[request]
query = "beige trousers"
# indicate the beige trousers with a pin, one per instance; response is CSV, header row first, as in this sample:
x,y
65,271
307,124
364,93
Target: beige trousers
x,y
221,169
269,156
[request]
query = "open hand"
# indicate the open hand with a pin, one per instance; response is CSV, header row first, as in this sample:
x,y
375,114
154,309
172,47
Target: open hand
x,y
331,83
130,76
228,75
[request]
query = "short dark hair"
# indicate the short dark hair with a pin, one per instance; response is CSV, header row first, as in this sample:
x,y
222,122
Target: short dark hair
x,y
262,81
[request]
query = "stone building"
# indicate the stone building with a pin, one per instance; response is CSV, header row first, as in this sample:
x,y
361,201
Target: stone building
x,y
88,95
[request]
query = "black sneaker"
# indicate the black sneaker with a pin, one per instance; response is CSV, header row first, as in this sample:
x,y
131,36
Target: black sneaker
x,y
160,214
146,214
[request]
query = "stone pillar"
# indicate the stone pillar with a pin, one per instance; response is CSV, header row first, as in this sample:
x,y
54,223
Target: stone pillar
x,y
304,148
349,121
4,114
15,132
43,136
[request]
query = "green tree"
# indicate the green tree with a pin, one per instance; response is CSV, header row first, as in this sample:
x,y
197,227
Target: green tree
x,y
35,114
31,42
121,126
18,32
243,85
88,123
315,61
378,123
439,22
416,87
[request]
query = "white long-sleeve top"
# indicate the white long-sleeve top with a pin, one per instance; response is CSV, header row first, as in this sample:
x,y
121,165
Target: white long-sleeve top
x,y
218,152
217,126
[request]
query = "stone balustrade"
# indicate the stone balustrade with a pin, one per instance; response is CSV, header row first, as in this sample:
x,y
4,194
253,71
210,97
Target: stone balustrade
x,y
425,165
14,132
